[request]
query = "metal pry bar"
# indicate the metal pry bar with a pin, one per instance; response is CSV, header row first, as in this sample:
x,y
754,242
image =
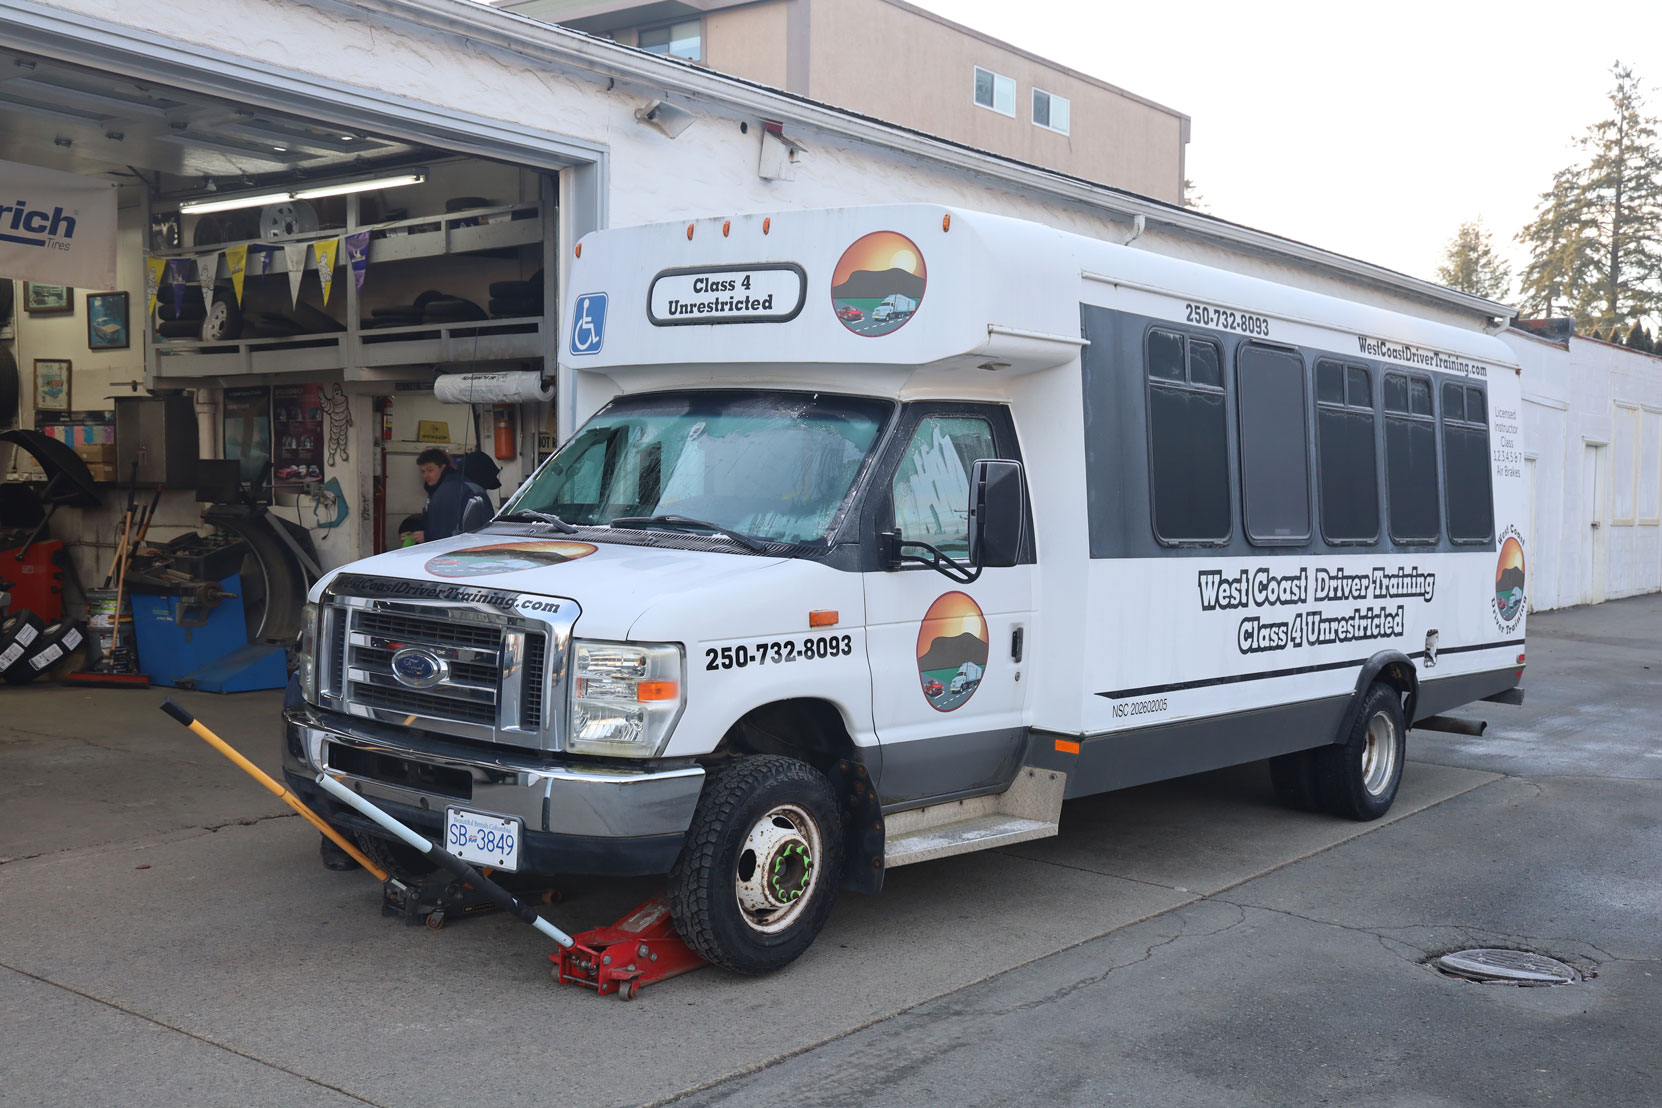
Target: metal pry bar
x,y
448,861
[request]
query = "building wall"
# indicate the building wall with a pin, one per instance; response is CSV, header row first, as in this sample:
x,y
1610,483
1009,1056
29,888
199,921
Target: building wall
x,y
1592,427
749,42
898,64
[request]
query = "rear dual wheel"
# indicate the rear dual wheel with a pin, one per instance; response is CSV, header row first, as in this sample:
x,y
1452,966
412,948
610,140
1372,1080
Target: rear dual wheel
x,y
1357,777
759,871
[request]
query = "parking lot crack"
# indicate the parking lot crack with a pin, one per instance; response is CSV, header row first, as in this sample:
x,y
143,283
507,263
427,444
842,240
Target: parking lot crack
x,y
188,1033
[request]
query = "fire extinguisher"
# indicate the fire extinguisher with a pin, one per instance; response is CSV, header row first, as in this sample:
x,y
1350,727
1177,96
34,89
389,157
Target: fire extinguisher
x,y
504,419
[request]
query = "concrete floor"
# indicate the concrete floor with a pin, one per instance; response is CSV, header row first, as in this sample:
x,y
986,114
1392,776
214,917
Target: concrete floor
x,y
168,937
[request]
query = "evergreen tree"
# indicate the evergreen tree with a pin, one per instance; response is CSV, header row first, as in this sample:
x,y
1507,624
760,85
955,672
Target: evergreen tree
x,y
1470,264
1595,244
1562,245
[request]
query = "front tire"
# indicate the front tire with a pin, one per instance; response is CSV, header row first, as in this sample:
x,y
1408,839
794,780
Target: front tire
x,y
758,874
1358,777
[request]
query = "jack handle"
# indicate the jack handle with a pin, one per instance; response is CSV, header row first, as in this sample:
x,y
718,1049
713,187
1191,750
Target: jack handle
x,y
173,709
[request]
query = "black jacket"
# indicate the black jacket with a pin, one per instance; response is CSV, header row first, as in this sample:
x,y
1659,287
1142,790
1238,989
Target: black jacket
x,y
455,506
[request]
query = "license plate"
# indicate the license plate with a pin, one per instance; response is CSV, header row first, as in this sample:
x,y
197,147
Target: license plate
x,y
484,840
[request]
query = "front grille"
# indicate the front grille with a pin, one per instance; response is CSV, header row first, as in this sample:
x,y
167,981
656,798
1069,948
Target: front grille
x,y
536,671
434,632
469,694
422,704
501,672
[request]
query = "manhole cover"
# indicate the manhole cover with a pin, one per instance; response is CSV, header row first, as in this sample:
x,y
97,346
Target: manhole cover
x,y
1507,967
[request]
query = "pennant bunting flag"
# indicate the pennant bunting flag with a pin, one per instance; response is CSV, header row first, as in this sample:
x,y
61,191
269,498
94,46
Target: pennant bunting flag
x,y
207,271
325,252
237,259
153,269
357,256
294,256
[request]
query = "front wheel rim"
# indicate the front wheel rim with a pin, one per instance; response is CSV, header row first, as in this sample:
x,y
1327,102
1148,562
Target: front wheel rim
x,y
1379,754
777,870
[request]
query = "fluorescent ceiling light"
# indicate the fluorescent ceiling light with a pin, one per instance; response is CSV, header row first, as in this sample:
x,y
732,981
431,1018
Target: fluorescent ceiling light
x,y
202,207
359,186
225,204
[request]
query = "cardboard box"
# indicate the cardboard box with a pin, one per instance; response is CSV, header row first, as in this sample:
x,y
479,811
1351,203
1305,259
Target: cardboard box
x,y
96,453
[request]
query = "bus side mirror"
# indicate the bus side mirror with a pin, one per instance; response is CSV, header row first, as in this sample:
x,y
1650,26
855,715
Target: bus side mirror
x,y
996,519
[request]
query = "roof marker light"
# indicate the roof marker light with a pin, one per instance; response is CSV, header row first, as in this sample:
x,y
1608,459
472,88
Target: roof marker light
x,y
689,232
579,250
946,222
767,224
726,226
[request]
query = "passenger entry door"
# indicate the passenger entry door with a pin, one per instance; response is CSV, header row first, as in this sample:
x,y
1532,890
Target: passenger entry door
x,y
947,659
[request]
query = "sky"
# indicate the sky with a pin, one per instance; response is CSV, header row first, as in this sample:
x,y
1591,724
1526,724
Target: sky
x,y
1372,130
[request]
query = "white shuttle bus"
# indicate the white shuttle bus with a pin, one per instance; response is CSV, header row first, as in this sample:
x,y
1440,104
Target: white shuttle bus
x,y
821,589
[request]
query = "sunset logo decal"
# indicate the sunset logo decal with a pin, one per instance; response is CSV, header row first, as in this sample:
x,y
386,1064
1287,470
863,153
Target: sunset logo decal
x,y
952,651
1509,581
878,283
508,557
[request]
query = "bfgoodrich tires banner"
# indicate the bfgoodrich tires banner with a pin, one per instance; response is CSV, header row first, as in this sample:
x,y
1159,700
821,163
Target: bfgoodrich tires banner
x,y
56,228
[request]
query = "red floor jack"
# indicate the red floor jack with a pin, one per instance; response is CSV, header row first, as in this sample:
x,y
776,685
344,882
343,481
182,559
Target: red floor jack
x,y
640,949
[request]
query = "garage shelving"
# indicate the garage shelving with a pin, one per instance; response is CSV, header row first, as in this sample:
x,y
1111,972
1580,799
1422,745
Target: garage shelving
x,y
491,231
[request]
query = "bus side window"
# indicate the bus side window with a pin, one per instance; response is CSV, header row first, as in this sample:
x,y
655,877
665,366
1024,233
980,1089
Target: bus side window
x,y
1410,459
1188,451
1347,455
1275,456
1466,477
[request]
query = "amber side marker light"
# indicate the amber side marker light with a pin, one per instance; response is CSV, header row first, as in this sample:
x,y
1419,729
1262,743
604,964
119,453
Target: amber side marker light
x,y
1067,747
579,250
726,226
689,232
767,224
655,690
822,619
946,222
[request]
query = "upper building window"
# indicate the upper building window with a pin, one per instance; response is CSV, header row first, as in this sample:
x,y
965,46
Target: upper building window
x,y
681,40
1050,110
995,91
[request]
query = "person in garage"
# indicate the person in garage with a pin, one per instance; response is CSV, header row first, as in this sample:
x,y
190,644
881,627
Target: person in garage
x,y
455,505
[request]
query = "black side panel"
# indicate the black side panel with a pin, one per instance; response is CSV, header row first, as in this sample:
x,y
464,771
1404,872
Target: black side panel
x,y
1122,760
1438,696
948,766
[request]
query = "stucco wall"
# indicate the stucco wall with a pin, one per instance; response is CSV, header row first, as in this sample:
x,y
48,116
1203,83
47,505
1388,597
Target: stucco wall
x,y
1573,397
748,42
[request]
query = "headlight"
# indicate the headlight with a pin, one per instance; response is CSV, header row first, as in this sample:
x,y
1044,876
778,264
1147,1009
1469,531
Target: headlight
x,y
305,653
624,699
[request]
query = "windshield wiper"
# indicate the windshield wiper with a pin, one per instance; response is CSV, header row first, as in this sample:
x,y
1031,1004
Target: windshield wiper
x,y
549,518
683,523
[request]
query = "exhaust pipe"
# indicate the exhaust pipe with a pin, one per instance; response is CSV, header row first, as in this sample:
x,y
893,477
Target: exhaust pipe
x,y
1472,727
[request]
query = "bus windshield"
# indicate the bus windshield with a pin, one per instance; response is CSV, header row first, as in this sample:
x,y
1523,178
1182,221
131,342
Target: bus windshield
x,y
771,466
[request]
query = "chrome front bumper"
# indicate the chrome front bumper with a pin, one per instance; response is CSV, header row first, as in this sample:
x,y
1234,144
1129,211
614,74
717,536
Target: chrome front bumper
x,y
427,773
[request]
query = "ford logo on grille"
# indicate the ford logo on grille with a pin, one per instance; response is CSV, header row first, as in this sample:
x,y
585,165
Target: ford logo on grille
x,y
419,668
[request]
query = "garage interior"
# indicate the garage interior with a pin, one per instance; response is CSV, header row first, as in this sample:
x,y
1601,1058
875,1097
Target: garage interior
x,y
302,306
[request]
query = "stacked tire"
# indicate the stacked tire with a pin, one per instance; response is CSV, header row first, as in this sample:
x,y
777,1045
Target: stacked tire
x,y
29,647
513,299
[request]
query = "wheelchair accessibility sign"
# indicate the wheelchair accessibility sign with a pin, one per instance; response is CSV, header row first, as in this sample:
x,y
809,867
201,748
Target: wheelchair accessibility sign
x,y
588,323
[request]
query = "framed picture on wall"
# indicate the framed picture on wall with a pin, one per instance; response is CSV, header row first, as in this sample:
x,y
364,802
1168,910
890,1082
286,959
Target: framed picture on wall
x,y
51,384
39,299
107,321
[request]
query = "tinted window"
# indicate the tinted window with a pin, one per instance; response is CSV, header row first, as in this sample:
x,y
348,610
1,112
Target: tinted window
x,y
1347,456
1466,476
1275,467
1410,459
1188,439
